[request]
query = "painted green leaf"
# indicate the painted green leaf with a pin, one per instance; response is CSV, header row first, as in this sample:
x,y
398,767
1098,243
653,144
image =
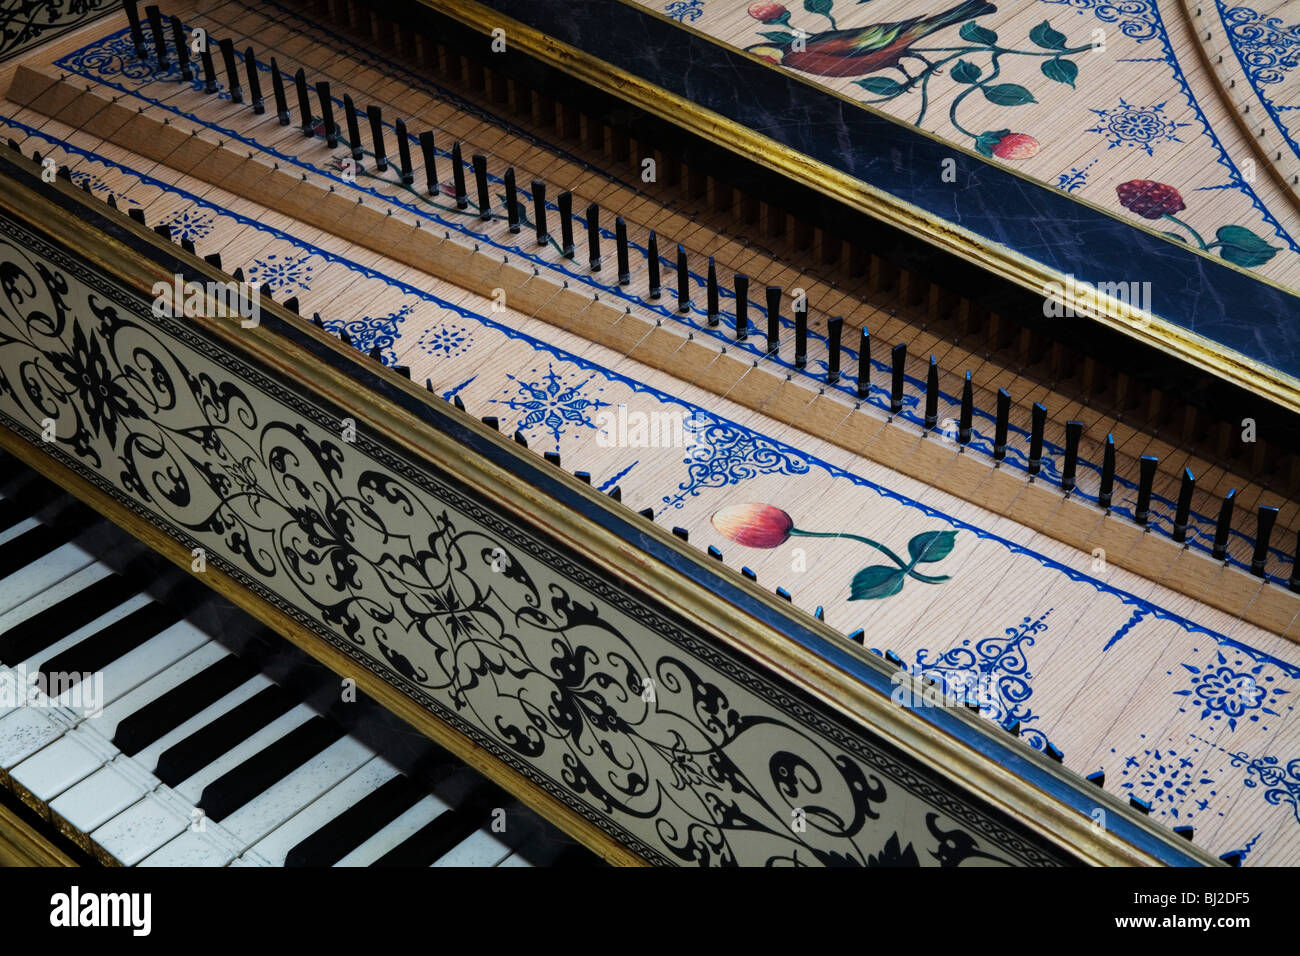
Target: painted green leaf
x,y
931,545
985,142
1046,37
966,72
972,31
818,6
882,85
1008,94
779,36
877,581
1242,247
1063,71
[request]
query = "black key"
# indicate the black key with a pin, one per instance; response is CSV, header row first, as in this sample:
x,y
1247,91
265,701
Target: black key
x,y
267,767
59,620
164,714
357,824
439,836
25,502
31,546
117,639
185,758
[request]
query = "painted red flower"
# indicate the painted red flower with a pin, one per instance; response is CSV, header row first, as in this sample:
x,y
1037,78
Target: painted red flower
x,y
1016,146
768,12
754,525
1149,199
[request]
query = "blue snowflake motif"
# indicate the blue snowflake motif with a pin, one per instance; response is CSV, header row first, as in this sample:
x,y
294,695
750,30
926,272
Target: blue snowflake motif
x,y
684,10
444,341
1075,179
189,224
1167,781
1222,692
1141,126
283,273
551,404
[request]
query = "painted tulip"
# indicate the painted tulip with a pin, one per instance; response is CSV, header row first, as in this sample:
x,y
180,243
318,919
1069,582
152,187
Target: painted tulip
x,y
769,12
1148,199
1016,146
754,525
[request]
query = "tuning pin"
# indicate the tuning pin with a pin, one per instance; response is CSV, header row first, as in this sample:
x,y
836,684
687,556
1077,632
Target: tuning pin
x,y
1000,429
137,214
896,386
327,114
858,637
620,249
1073,432
430,157
159,38
520,440
1146,477
137,34
565,204
647,513
406,169
1186,831
820,614
458,177
1184,511
209,69
967,414
254,81
864,364
714,553
1037,424
282,104
460,405
345,338
741,284
376,117
654,286
893,658
512,200
682,533
748,572
539,211
479,162
1141,806
616,493
319,323
1052,752
213,259
164,230
593,237
182,50
492,422
783,594
1011,726
834,332
801,332
683,283
1097,778
291,304
1233,858
932,395
1294,583
773,319
1267,518
308,124
187,244
711,293
354,131
553,457
1107,488
227,46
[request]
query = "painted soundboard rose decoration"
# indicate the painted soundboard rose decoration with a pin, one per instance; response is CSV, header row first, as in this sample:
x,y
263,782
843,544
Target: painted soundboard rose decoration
x,y
1152,200
765,526
889,49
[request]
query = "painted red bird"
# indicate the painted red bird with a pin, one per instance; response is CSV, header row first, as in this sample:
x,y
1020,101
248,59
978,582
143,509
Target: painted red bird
x,y
866,49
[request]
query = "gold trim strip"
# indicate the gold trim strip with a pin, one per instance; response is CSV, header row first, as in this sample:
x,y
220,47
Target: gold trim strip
x,y
726,624
20,845
1209,356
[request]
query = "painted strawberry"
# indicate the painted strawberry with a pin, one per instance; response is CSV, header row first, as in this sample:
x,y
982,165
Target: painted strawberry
x,y
769,12
1149,199
1016,146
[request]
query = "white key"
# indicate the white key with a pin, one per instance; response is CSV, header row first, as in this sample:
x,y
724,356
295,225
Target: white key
x,y
148,757
21,528
390,836
513,859
142,828
261,815
156,686
204,844
274,848
136,666
26,730
104,794
53,769
33,604
192,787
481,848
63,561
